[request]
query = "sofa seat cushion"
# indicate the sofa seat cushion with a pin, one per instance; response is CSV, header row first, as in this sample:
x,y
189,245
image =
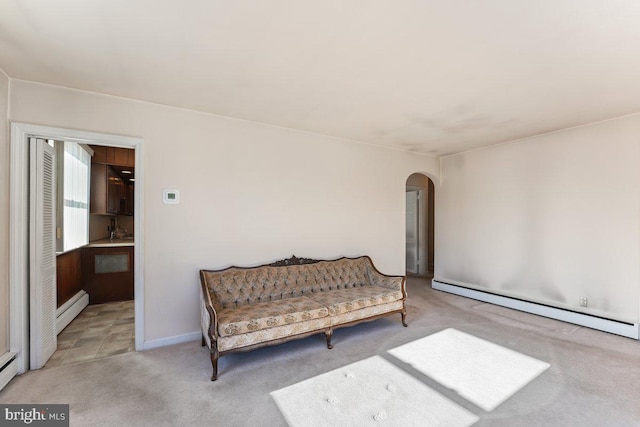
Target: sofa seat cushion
x,y
340,301
264,315
275,333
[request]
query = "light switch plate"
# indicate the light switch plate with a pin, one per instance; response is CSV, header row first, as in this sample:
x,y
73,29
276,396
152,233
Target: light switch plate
x,y
171,197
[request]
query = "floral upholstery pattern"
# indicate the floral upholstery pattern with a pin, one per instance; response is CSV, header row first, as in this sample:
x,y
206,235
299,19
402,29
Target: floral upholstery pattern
x,y
371,311
238,286
252,306
341,301
257,317
391,282
243,340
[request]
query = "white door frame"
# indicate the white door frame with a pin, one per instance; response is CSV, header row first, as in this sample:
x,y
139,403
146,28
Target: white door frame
x,y
19,227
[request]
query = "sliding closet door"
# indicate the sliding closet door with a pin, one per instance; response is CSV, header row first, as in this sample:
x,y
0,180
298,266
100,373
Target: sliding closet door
x,y
42,283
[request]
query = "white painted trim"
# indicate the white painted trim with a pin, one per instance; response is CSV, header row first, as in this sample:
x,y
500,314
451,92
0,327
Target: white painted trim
x,y
71,301
629,330
176,339
70,309
10,371
19,246
138,250
5,358
19,214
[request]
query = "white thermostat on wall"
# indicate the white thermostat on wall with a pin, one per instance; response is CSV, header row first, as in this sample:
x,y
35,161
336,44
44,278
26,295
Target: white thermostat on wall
x,y
171,197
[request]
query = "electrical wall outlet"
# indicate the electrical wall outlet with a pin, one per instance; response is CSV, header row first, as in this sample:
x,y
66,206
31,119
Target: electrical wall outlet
x,y
584,301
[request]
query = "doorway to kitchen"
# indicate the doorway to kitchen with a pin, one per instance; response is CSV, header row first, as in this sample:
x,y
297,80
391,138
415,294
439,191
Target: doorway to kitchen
x,y
100,261
420,203
128,256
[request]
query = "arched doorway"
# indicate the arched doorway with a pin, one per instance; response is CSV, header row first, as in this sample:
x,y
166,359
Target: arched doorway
x,y
420,207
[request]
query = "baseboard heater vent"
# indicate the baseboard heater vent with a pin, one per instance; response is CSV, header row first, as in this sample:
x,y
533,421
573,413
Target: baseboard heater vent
x,y
69,310
8,368
629,330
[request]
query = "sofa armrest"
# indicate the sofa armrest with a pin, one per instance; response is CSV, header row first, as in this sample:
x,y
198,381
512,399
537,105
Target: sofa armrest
x,y
377,278
208,315
392,282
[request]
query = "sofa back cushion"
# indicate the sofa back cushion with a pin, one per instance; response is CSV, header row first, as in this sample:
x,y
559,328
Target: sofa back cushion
x,y
238,286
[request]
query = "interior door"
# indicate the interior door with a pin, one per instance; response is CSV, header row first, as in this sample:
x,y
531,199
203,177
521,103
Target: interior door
x,y
42,252
412,234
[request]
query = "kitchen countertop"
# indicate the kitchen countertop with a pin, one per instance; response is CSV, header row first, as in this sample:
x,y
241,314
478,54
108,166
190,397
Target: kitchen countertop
x,y
108,243
103,243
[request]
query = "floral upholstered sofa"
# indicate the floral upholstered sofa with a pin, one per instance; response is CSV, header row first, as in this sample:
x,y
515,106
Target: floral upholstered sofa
x,y
246,308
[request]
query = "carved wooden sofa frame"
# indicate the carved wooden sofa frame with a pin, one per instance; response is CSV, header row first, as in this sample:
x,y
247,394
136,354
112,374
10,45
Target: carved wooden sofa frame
x,y
210,316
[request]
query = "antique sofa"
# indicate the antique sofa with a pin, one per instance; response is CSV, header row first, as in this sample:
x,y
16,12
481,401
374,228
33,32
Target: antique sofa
x,y
245,308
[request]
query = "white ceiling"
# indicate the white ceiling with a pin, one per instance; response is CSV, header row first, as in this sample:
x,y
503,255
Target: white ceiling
x,y
434,77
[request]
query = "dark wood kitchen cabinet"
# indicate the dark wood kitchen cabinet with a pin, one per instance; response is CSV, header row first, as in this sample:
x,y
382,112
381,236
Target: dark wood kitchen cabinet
x,y
115,192
129,199
98,199
113,156
68,275
108,273
110,194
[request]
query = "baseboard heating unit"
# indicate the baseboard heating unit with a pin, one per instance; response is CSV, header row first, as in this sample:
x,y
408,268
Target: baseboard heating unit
x,y
8,368
629,330
69,310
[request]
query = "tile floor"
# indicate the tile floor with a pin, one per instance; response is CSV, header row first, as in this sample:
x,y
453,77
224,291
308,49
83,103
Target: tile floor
x,y
98,331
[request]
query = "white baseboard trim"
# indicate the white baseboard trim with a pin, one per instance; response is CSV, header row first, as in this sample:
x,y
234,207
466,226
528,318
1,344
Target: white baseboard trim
x,y
70,309
629,330
9,371
176,339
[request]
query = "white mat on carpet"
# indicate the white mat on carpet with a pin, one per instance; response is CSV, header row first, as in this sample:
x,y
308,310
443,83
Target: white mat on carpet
x,y
484,373
370,392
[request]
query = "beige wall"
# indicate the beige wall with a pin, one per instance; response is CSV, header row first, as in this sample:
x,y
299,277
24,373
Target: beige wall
x,y
250,193
4,214
547,219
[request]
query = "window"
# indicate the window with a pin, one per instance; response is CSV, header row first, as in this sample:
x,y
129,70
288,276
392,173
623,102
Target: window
x,y
75,196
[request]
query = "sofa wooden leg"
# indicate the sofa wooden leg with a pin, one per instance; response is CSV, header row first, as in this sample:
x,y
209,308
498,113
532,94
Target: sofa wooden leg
x,y
404,318
328,334
214,364
203,341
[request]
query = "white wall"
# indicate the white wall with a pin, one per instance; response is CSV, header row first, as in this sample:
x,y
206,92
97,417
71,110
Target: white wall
x,y
250,193
547,219
4,214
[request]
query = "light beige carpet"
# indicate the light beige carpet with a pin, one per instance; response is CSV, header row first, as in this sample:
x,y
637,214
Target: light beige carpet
x,y
369,392
593,379
484,373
